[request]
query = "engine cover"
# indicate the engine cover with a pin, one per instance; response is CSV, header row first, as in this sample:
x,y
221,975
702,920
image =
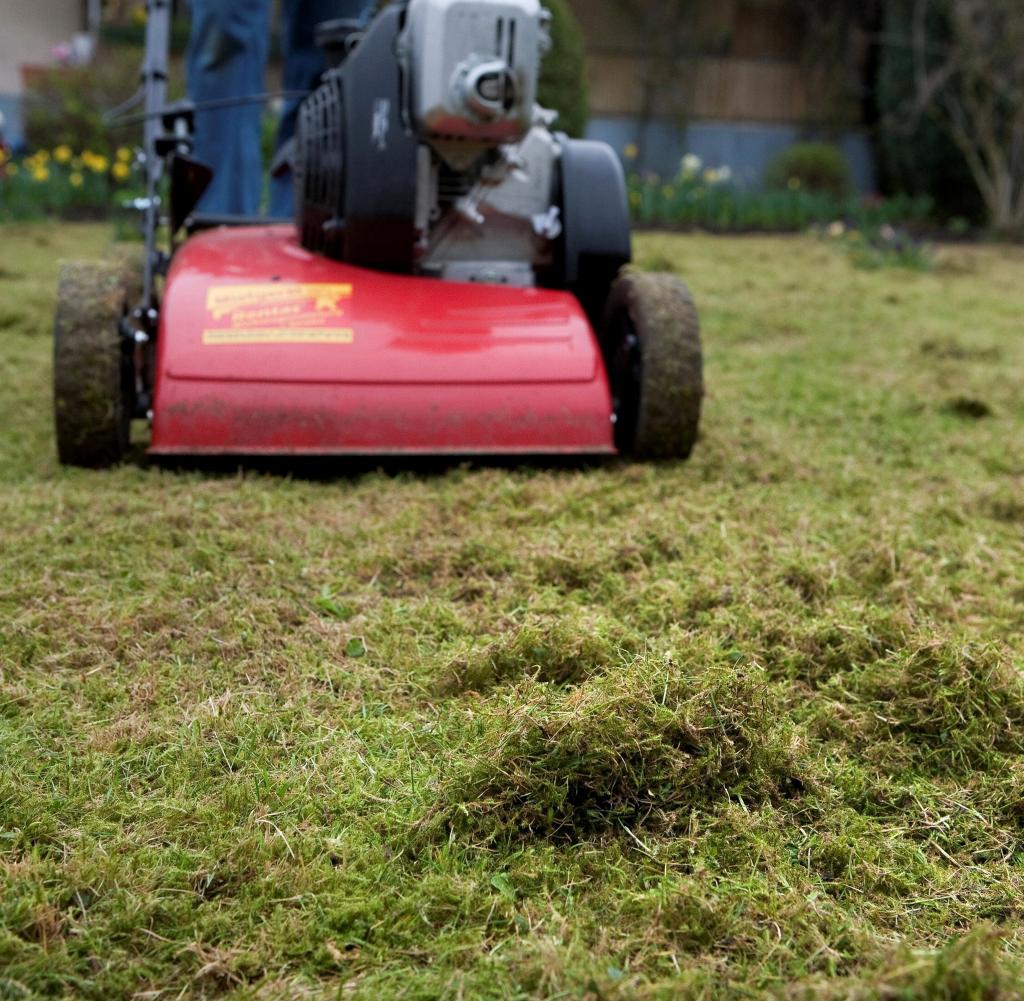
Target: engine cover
x,y
424,152
473,67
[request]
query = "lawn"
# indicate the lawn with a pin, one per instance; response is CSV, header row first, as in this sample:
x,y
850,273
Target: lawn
x,y
747,726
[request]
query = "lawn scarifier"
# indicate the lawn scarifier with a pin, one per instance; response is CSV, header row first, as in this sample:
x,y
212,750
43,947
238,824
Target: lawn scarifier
x,y
454,282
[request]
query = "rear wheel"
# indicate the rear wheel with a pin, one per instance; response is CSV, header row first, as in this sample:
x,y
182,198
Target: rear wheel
x,y
92,371
652,349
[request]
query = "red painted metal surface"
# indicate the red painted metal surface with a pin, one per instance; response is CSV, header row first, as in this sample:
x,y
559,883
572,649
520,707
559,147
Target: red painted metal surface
x,y
265,348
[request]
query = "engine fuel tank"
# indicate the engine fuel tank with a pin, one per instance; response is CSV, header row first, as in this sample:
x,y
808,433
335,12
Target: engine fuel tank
x,y
265,348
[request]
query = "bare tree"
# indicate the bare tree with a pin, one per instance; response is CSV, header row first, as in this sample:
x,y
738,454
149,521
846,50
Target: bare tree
x,y
969,73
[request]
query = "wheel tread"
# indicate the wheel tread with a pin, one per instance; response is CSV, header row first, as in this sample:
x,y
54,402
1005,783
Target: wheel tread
x,y
672,382
89,405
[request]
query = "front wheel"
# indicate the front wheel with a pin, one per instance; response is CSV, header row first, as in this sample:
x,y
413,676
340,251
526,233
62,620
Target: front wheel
x,y
652,350
92,381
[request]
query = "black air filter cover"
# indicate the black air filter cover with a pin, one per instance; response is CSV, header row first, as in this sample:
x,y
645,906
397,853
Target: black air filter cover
x,y
320,167
355,157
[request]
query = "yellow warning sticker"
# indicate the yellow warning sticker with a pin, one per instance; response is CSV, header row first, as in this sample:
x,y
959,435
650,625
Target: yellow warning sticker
x,y
278,313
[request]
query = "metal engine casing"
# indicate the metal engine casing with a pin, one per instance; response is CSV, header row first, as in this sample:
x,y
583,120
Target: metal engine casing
x,y
485,176
400,168
473,67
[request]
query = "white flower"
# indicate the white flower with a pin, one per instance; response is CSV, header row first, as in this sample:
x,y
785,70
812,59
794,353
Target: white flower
x,y
836,229
724,174
691,164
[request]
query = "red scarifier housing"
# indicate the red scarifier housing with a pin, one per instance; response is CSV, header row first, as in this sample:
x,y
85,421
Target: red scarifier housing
x,y
265,348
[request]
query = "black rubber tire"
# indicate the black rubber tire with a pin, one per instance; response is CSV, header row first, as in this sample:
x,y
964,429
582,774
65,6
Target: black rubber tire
x,y
652,350
91,372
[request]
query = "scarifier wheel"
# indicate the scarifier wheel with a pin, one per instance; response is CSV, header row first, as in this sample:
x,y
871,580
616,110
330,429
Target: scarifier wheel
x,y
651,343
92,381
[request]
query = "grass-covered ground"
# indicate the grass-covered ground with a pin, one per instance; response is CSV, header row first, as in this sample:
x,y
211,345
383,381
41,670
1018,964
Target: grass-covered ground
x,y
746,726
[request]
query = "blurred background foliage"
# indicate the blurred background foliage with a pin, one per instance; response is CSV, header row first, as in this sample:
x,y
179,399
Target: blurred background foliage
x,y
68,105
819,167
563,83
920,156
65,105
917,162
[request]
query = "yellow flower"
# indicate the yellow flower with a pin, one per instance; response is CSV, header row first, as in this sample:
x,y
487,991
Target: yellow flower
x,y
3,156
631,152
120,170
97,163
42,155
794,183
62,154
76,179
40,173
124,154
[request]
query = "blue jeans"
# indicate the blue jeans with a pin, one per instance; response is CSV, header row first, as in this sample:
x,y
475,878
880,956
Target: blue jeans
x,y
227,57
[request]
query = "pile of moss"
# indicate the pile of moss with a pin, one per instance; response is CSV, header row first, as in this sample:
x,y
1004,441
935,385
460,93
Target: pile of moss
x,y
642,745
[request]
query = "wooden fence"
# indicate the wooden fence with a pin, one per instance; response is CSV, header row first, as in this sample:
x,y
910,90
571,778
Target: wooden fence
x,y
712,88
745,63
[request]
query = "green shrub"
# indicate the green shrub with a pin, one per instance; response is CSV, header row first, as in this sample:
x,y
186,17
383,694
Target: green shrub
x,y
563,83
817,167
65,106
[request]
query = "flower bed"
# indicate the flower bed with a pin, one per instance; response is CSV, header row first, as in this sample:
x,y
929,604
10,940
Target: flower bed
x,y
63,183
705,198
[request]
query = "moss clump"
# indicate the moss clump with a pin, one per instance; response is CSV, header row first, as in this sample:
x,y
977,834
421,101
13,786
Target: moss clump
x,y
972,968
559,652
955,706
637,746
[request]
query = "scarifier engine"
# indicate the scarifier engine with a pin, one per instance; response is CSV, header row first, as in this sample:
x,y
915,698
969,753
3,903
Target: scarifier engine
x,y
425,152
455,280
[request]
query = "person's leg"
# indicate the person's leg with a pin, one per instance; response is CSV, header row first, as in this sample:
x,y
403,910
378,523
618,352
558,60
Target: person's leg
x,y
227,55
303,65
